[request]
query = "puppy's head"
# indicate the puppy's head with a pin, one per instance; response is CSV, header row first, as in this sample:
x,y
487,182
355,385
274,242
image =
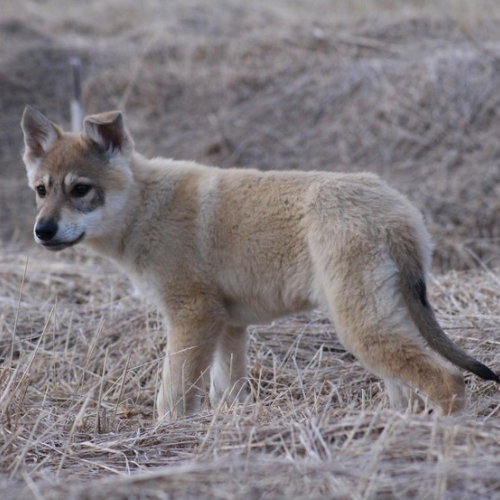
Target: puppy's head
x,y
80,180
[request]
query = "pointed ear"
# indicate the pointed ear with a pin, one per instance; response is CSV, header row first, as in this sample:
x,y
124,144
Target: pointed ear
x,y
39,134
108,132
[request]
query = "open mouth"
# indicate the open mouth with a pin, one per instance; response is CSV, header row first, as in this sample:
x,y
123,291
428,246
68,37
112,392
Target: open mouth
x,y
55,246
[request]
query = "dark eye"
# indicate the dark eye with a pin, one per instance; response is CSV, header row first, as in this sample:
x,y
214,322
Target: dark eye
x,y
80,190
41,191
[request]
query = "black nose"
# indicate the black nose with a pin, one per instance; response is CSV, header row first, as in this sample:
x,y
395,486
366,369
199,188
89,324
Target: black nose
x,y
46,230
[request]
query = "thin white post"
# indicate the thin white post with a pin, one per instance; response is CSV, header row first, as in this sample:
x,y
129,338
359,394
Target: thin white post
x,y
76,97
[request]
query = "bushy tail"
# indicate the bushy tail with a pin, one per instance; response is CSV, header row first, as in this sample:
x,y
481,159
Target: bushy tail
x,y
414,292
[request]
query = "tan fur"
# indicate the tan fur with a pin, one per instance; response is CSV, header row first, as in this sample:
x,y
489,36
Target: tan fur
x,y
218,250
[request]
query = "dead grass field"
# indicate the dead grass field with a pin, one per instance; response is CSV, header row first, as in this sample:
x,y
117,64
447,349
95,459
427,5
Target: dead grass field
x,y
405,89
80,370
408,91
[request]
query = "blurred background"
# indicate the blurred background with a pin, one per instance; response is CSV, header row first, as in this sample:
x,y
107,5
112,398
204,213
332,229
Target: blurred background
x,y
407,89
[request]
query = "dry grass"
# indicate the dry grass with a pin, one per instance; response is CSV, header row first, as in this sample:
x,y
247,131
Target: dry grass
x,y
405,89
79,375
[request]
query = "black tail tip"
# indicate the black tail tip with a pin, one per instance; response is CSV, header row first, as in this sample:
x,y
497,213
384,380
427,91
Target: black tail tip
x,y
486,374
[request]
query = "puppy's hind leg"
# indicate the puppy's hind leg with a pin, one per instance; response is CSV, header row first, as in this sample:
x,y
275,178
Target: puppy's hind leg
x,y
229,368
402,397
395,356
373,322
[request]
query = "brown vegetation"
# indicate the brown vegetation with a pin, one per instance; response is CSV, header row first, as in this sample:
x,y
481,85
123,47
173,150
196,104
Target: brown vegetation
x,y
412,95
80,370
409,92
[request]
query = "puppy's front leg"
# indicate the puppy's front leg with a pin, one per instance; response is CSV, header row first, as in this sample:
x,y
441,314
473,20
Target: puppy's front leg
x,y
229,368
190,348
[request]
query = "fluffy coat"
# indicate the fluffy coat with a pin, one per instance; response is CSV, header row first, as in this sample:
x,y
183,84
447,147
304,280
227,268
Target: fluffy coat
x,y
218,250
